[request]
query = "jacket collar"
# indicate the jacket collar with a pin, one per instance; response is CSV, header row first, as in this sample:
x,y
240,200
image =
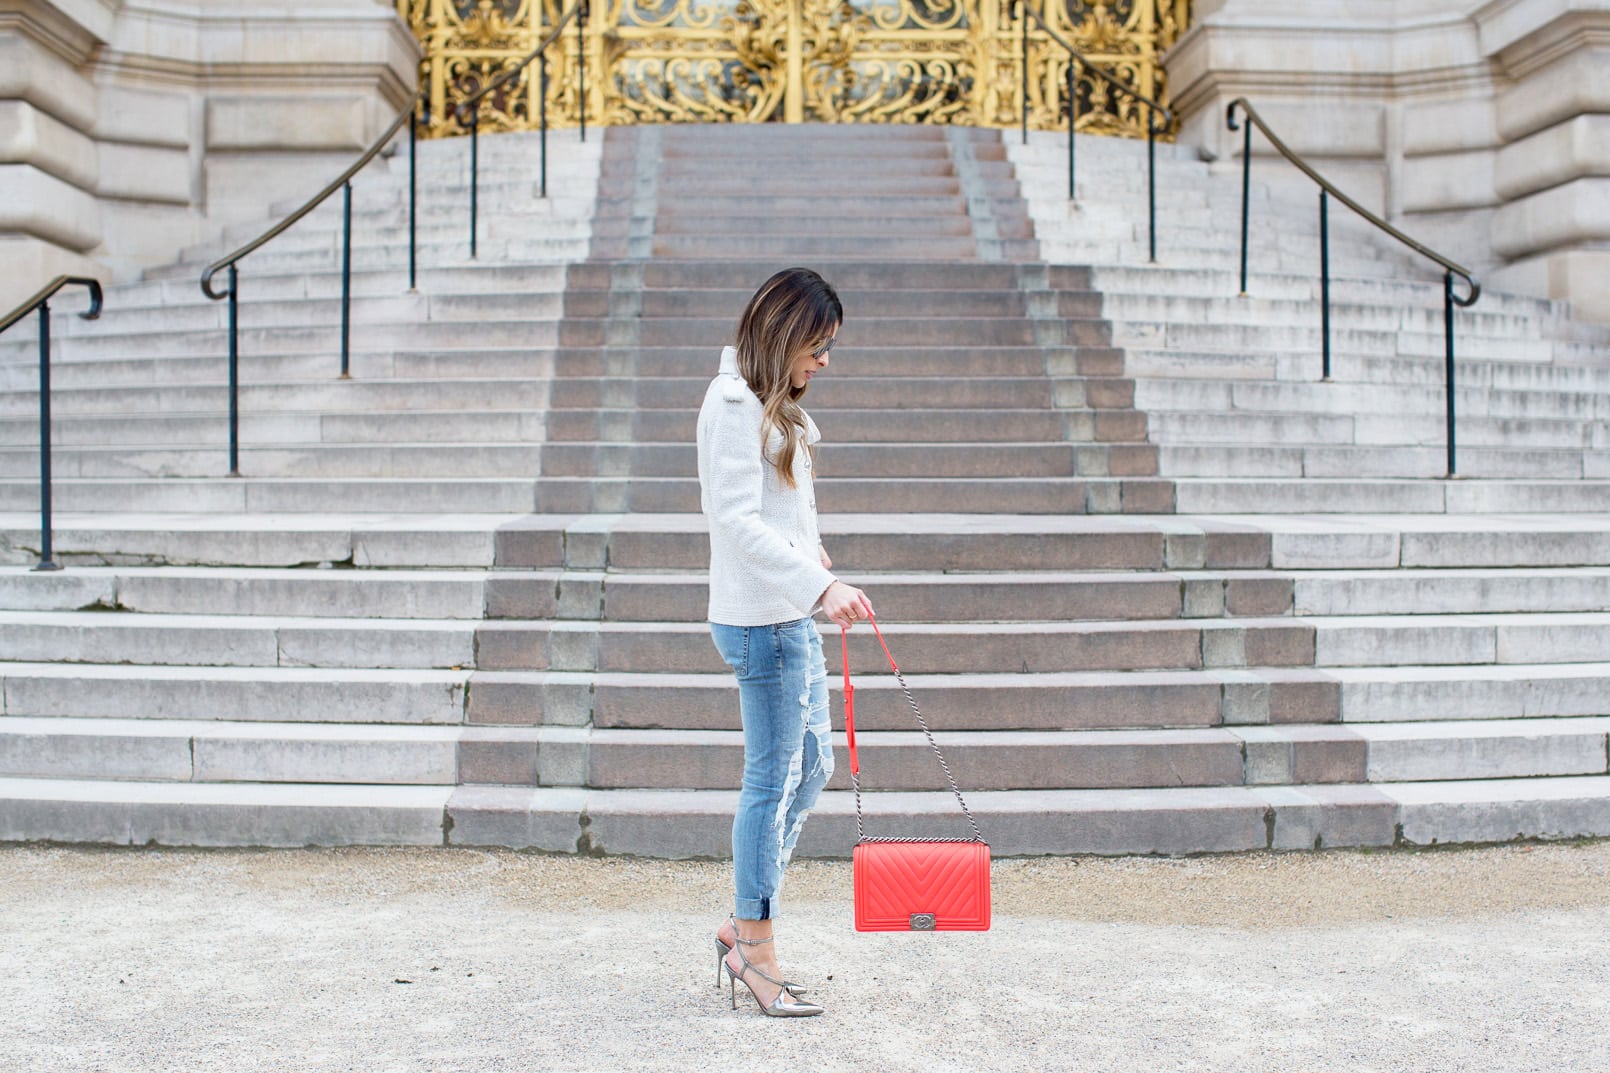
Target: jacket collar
x,y
729,361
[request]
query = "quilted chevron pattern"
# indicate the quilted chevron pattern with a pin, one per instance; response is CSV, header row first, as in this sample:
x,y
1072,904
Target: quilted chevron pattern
x,y
894,880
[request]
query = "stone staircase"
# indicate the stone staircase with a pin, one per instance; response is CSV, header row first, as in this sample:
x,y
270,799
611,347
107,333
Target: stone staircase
x,y
459,598
1232,385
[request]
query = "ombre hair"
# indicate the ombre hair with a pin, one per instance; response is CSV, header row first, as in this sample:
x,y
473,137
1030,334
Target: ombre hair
x,y
795,312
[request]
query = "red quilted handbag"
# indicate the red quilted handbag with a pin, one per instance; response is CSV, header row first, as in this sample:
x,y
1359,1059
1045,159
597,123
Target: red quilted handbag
x,y
914,884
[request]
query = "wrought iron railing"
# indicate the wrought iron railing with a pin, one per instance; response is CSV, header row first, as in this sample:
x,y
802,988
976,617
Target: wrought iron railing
x,y
1328,190
408,115
41,302
1153,111
412,117
471,105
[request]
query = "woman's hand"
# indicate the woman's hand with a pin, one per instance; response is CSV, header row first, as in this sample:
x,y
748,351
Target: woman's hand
x,y
827,564
845,604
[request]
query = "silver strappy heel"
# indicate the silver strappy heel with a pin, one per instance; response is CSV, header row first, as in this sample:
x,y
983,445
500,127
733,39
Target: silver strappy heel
x,y
786,1004
722,950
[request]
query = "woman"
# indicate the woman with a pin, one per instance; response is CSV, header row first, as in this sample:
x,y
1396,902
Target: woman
x,y
768,575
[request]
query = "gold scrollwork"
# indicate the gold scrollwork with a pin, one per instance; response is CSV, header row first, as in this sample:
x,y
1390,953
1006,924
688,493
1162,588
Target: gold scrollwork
x,y
837,61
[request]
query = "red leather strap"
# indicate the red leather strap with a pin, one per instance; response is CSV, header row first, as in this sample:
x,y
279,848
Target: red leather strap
x,y
849,690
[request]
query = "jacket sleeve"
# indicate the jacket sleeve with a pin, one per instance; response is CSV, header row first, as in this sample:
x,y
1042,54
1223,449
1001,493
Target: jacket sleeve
x,y
737,476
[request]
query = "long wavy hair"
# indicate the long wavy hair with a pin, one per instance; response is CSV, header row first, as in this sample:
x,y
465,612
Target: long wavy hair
x,y
793,313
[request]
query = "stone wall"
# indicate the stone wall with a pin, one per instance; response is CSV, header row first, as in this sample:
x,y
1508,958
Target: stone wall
x,y
130,129
1481,128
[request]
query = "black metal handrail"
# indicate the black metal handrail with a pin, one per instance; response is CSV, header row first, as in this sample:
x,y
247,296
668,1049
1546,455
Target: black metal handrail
x,y
1328,190
408,115
1154,109
41,302
471,106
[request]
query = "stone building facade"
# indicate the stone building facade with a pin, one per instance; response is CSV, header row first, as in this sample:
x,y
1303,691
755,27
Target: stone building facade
x,y
1483,128
130,129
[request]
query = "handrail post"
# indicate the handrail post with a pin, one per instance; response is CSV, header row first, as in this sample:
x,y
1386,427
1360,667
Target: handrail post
x,y
475,172
46,562
581,64
1073,120
542,113
1151,183
346,283
1448,377
234,374
1324,276
1246,188
1023,65
413,198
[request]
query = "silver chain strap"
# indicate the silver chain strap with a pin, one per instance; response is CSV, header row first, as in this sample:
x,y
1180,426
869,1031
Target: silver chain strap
x,y
860,827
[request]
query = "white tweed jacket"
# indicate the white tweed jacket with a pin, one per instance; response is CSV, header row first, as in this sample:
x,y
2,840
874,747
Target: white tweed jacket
x,y
764,563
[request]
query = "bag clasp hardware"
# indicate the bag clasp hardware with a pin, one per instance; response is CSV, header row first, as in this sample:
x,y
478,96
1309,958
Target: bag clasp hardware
x,y
922,922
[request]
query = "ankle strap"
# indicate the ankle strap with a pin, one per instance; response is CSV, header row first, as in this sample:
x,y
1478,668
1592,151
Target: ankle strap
x,y
747,942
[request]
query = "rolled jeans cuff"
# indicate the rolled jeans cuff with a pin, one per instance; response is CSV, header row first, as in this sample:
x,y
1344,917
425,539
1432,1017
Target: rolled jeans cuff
x,y
754,909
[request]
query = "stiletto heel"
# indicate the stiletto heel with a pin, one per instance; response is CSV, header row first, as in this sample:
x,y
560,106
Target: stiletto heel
x,y
786,1004
722,950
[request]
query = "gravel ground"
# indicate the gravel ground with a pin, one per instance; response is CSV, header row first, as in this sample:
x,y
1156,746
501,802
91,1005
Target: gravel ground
x,y
379,960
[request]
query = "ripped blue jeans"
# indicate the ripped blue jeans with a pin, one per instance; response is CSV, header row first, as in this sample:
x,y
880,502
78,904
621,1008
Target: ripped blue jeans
x,y
788,753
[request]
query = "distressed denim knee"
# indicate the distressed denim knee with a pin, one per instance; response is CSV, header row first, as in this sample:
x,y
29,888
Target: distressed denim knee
x,y
788,755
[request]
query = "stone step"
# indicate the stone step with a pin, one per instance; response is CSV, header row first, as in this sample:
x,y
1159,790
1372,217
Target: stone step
x,y
1313,495
974,426
567,672
1144,282
1013,597
388,594
165,750
926,648
168,539
435,233
846,274
1430,639
1496,376
1462,693
236,694
227,752
306,461
303,431
293,495
331,393
820,222
1158,314
489,363
995,331
303,339
650,393
671,823
875,542
961,362
986,495
220,814
806,245
1367,403
1061,700
886,460
223,640
1394,461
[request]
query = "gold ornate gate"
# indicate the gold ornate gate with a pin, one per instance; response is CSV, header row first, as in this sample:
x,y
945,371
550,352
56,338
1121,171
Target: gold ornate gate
x,y
755,61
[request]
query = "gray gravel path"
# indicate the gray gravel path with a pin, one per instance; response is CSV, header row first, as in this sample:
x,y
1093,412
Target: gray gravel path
x,y
379,960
